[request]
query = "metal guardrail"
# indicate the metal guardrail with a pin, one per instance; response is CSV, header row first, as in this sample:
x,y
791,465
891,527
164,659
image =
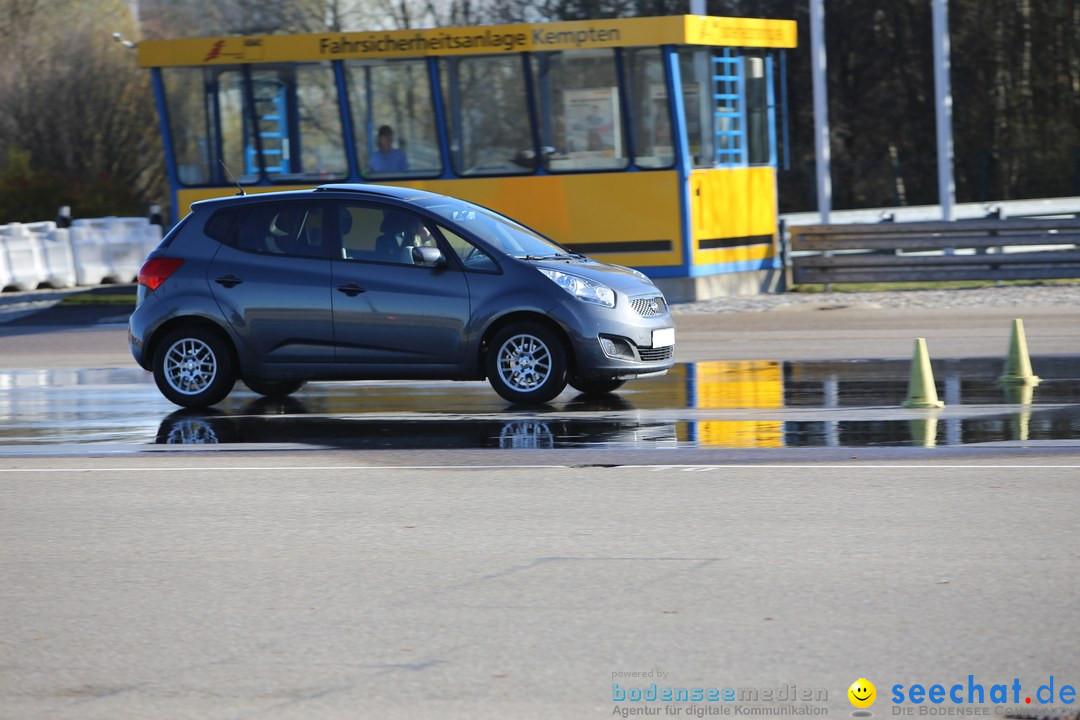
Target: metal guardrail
x,y
1017,249
998,210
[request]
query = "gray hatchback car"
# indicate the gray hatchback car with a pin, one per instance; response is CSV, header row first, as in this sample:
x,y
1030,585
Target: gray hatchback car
x,y
361,282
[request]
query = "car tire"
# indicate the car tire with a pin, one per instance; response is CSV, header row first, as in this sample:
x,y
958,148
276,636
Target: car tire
x,y
526,363
274,388
597,386
193,367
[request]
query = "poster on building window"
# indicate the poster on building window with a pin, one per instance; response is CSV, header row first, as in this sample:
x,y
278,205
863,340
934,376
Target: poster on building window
x,y
592,123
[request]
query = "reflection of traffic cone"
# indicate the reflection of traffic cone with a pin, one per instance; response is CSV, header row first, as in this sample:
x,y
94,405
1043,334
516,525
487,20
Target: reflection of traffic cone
x,y
1018,366
1022,424
1019,394
924,430
921,390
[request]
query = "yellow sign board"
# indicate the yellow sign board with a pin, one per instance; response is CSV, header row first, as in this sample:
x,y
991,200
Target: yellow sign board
x,y
486,39
739,32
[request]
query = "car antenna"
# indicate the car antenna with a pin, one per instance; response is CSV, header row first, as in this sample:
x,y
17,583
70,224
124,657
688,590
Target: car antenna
x,y
232,177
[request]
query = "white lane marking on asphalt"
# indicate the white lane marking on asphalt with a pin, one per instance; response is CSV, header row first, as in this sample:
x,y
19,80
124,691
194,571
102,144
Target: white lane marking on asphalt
x,y
655,468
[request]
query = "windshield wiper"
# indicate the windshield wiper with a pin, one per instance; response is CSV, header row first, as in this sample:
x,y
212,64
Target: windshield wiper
x,y
551,256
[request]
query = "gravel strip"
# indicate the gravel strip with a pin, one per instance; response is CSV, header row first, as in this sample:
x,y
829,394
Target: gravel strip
x,y
1005,296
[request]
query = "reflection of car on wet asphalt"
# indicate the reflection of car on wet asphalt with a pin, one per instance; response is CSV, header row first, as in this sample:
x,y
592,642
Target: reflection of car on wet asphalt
x,y
350,282
288,420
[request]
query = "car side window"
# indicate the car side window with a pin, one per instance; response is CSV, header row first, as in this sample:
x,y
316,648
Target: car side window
x,y
381,234
472,257
294,229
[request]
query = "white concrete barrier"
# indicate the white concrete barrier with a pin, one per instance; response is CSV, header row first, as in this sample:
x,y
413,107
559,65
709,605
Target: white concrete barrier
x,y
91,252
59,259
87,247
56,255
7,278
111,249
22,249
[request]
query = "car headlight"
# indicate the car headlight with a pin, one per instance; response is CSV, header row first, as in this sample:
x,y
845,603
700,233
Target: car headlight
x,y
582,288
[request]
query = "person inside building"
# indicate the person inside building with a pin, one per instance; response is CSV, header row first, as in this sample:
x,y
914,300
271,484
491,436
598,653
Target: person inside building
x,y
387,158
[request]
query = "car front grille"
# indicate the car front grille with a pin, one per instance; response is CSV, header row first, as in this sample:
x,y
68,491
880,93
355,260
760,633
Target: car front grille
x,y
650,306
656,354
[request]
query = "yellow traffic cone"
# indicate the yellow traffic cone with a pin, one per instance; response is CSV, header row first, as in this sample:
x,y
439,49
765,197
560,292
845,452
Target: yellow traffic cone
x,y
1018,366
922,393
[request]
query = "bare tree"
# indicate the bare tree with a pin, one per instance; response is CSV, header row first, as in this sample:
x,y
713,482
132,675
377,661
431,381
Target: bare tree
x,y
191,18
78,115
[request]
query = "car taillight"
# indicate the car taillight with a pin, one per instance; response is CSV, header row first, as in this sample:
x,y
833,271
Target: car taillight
x,y
157,270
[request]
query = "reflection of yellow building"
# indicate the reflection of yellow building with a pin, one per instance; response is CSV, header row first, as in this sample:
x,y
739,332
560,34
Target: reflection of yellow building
x,y
741,433
739,384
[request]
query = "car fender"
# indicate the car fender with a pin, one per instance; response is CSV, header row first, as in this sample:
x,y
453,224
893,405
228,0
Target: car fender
x,y
498,307
200,308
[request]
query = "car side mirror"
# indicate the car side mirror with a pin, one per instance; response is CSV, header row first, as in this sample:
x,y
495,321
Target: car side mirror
x,y
428,256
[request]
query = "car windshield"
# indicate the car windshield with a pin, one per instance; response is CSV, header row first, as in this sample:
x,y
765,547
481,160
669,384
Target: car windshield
x,y
498,231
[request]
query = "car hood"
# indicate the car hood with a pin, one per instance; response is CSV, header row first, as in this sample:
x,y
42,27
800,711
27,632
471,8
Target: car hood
x,y
614,276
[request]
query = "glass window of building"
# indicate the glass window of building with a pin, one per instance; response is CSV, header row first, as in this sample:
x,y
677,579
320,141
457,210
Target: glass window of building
x,y
295,116
235,143
649,112
298,122
757,110
193,145
726,100
393,118
579,102
488,115
696,71
207,124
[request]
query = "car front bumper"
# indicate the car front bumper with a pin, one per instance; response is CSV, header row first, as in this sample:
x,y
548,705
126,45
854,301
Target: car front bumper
x,y
629,350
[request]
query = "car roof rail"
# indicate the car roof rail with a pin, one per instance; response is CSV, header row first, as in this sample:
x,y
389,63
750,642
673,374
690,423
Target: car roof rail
x,y
390,191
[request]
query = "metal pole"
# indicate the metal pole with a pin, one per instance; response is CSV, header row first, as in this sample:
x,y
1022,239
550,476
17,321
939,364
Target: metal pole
x,y
943,107
821,108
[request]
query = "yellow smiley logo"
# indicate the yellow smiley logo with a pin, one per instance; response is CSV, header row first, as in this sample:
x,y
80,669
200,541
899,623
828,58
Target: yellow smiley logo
x,y
862,693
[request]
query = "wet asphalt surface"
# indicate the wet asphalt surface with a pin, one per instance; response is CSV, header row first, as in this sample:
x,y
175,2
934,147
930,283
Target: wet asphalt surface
x,y
737,404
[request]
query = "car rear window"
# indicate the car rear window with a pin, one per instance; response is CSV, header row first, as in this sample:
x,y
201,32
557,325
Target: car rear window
x,y
222,225
282,229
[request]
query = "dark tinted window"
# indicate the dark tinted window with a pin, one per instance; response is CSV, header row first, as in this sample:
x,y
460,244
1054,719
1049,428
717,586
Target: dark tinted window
x,y
283,229
222,225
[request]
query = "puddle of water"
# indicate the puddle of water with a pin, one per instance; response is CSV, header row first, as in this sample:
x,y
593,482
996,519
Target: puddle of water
x,y
123,406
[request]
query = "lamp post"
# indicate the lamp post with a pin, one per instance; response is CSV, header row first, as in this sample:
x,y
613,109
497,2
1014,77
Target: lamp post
x,y
943,109
819,76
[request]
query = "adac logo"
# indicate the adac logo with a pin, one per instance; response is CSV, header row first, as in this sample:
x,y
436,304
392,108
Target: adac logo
x,y
862,694
215,51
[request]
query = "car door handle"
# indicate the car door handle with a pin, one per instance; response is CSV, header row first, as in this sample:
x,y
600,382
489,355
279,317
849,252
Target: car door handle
x,y
229,280
352,289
